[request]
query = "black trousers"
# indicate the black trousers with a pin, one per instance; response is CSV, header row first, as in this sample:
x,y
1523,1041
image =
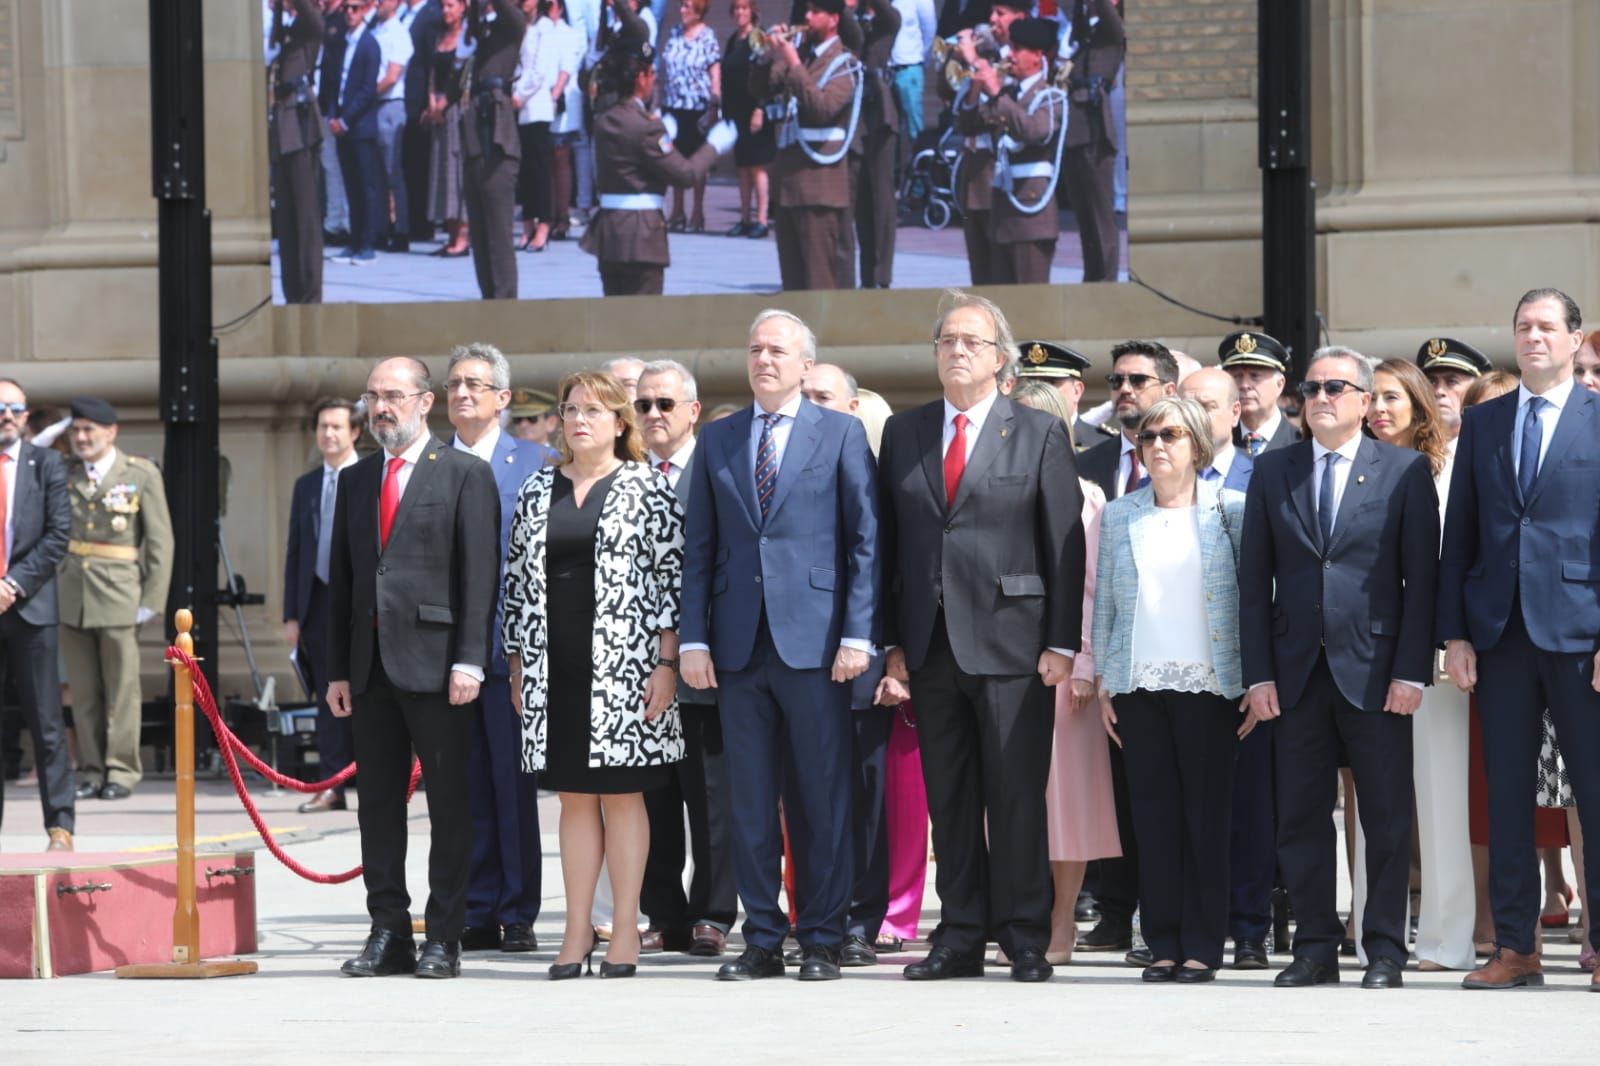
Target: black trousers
x,y
297,220
1516,682
504,887
335,745
986,757
28,658
869,902
699,785
389,725
1309,738
1180,748
533,177
491,193
362,167
1253,851
416,143
1114,883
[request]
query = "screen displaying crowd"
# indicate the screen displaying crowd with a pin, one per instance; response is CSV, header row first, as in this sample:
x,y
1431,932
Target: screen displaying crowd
x,y
617,146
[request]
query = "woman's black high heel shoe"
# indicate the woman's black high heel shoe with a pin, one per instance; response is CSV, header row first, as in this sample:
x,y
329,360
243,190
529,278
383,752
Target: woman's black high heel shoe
x,y
617,969
566,971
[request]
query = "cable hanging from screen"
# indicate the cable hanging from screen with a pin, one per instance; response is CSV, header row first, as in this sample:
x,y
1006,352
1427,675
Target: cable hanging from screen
x,y
235,323
1237,320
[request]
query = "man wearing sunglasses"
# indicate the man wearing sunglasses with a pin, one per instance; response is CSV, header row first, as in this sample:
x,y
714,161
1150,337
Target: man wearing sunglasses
x,y
1258,364
1337,576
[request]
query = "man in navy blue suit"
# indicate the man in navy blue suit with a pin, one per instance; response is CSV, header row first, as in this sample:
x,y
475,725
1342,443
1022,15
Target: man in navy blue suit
x,y
1337,577
1519,608
337,426
503,892
354,121
780,586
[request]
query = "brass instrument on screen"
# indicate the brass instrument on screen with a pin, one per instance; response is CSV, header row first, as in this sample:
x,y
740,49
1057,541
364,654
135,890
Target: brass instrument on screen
x,y
947,52
1062,72
761,41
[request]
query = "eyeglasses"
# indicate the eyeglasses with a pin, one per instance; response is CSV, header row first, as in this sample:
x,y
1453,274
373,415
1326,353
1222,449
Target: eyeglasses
x,y
1137,382
590,413
1334,387
389,399
1167,435
472,385
952,342
664,404
15,409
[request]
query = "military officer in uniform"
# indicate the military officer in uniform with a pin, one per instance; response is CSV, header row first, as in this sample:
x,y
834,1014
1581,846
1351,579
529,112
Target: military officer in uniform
x,y
1024,122
635,162
1062,369
1098,44
491,145
821,95
1259,365
975,174
294,141
534,418
878,137
113,580
1451,366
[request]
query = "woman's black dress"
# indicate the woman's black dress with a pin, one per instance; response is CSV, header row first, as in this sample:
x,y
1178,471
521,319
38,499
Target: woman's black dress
x,y
752,149
569,584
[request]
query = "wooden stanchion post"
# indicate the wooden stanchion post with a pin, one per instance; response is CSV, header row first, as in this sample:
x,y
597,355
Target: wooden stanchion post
x,y
186,961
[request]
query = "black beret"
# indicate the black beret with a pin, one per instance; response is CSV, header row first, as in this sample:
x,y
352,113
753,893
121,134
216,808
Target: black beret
x,y
94,410
1041,359
1447,353
1024,6
1247,348
831,7
632,46
1039,35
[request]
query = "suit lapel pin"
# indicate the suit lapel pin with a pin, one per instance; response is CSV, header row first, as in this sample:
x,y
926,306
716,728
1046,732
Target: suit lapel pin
x,y
510,458
432,456
1361,479
1004,432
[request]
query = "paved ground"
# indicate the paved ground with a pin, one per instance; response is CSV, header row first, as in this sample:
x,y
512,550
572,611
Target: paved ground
x,y
298,1009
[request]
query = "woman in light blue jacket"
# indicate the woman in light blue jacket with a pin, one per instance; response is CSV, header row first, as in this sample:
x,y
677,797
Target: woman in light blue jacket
x,y
1166,640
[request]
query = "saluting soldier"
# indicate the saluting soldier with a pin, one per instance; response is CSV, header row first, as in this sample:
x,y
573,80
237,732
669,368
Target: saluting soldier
x,y
821,97
1098,44
634,163
875,208
294,140
975,174
492,147
1062,369
1025,123
113,580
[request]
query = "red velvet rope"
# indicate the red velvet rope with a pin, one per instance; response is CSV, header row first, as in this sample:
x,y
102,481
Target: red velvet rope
x,y
231,746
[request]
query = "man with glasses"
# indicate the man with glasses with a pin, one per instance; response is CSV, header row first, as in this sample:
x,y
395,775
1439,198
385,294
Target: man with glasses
x,y
983,549
1337,575
503,893
1258,364
667,409
413,575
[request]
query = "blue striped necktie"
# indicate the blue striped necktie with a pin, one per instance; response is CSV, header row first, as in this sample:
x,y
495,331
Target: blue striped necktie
x,y
766,463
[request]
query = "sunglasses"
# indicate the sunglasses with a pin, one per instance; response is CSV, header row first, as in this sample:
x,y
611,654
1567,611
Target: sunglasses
x,y
16,410
1167,434
1139,382
664,404
1334,387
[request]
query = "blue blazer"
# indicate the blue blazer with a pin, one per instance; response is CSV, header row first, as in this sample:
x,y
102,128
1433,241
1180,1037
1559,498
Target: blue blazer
x,y
1547,547
1124,528
357,106
514,462
300,564
1239,471
814,564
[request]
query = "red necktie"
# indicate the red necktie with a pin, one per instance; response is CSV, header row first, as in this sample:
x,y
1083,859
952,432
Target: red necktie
x,y
666,468
1134,474
389,500
955,461
4,459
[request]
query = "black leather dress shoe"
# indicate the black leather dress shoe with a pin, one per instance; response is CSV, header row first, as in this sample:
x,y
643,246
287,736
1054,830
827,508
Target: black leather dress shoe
x,y
1190,975
518,938
87,791
821,963
1139,957
858,951
1249,955
1156,975
439,958
1383,973
386,953
944,963
1303,973
1085,909
113,791
480,938
1030,966
754,964
1107,936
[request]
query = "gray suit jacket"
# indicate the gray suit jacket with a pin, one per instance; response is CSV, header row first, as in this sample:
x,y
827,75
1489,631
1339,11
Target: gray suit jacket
x,y
41,525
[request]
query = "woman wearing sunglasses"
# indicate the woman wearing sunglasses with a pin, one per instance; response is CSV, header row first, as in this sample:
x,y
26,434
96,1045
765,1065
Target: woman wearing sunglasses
x,y
1166,642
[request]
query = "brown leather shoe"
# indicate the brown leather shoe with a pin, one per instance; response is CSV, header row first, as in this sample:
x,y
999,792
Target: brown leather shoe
x,y
650,941
1507,969
60,840
326,800
709,941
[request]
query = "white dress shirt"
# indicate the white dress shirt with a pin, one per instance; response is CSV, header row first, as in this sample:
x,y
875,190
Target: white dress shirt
x,y
780,430
1341,472
1222,461
350,57
394,42
1555,399
917,22
98,469
485,447
675,462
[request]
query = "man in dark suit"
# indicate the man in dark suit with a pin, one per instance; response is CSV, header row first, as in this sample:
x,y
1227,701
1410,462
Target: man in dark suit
x,y
336,208
1519,608
667,408
36,521
424,19
780,588
1337,576
411,595
1142,372
354,121
984,553
337,426
504,889
1259,365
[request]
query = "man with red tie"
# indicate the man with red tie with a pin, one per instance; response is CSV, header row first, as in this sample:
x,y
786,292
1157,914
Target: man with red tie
x,y
413,575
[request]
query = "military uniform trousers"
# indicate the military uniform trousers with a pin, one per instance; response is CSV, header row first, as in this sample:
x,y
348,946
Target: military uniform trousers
x,y
1088,176
103,669
1023,262
491,190
808,246
877,209
980,248
297,221
632,279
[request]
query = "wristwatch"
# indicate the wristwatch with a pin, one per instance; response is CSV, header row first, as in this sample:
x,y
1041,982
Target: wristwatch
x,y
669,662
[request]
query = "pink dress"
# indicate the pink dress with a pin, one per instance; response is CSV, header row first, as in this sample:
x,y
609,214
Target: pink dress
x,y
1082,816
905,806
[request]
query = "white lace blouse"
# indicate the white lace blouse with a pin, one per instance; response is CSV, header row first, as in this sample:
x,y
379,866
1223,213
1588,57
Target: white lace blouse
x,y
1171,637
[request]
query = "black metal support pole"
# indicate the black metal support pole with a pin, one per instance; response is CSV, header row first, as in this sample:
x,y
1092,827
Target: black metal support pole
x,y
188,349
1288,206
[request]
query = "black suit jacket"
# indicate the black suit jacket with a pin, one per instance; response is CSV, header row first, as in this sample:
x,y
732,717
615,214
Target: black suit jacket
x,y
1101,464
1368,597
1006,562
300,561
425,30
432,590
1285,436
41,525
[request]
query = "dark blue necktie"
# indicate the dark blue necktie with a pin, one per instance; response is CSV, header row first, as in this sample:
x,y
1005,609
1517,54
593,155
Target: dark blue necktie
x,y
1210,474
766,464
1532,435
1325,499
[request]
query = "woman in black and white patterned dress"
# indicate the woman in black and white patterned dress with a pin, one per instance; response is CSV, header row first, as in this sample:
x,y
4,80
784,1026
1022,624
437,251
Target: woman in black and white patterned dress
x,y
591,618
